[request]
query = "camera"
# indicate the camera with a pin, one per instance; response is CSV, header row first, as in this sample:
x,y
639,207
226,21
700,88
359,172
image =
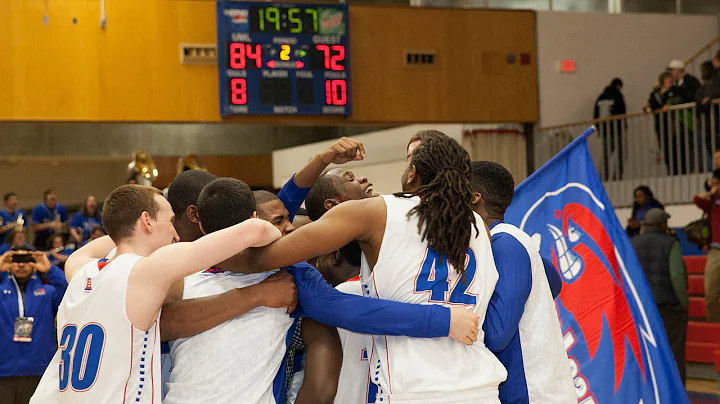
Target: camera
x,y
25,258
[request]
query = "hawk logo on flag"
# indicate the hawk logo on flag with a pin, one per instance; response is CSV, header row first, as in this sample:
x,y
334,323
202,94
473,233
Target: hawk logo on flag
x,y
615,340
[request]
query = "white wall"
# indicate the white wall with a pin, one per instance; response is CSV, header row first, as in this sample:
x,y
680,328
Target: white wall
x,y
634,47
384,162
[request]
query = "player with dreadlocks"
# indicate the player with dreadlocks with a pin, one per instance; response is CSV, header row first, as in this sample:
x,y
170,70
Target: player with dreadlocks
x,y
423,247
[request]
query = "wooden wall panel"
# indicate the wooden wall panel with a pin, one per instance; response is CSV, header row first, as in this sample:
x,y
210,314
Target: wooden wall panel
x,y
70,69
471,80
255,170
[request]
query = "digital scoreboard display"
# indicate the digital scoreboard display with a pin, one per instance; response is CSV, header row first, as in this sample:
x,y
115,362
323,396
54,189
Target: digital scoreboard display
x,y
283,59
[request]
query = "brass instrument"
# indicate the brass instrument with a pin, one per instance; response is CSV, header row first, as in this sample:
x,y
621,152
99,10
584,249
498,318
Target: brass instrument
x,y
190,162
19,224
142,168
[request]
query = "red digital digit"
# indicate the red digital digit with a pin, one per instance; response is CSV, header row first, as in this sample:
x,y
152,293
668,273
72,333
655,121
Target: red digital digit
x,y
238,88
340,56
339,88
326,51
328,92
237,55
257,56
335,92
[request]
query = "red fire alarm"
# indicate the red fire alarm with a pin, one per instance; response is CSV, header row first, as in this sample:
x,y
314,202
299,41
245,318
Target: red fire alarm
x,y
567,66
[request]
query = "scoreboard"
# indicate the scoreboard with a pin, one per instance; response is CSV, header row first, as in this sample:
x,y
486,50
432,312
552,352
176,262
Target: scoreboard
x,y
283,59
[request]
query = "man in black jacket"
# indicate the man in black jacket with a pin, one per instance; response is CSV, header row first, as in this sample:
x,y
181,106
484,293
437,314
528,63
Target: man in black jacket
x,y
611,102
686,81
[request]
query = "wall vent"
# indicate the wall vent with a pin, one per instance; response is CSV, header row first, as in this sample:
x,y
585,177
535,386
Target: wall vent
x,y
198,54
420,58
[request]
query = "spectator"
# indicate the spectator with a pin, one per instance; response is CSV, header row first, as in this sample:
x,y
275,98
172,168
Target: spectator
x,y
11,217
661,260
687,82
13,239
57,251
709,202
610,103
664,96
711,89
716,172
85,220
707,71
96,234
644,201
48,218
31,292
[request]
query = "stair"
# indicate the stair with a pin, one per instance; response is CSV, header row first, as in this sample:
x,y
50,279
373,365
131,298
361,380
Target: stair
x,y
696,309
696,285
702,346
695,264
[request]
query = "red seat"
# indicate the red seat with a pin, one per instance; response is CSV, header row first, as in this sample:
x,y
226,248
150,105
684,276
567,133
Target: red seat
x,y
698,331
696,308
696,285
716,359
699,352
695,264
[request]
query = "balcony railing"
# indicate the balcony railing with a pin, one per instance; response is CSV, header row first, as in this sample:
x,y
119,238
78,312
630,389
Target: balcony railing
x,y
670,150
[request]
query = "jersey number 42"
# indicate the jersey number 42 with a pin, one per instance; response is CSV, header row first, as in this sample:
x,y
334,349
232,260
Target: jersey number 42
x,y
434,277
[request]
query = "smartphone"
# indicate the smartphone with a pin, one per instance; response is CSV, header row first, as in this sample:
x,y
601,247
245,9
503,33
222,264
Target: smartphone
x,y
23,258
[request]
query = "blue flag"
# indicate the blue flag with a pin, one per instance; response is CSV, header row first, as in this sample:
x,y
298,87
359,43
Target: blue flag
x,y
614,336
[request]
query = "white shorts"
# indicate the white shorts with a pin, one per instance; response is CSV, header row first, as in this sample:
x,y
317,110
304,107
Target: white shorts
x,y
478,396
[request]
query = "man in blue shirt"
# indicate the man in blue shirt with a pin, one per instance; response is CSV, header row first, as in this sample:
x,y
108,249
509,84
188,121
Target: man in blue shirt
x,y
11,217
85,221
48,218
521,326
30,292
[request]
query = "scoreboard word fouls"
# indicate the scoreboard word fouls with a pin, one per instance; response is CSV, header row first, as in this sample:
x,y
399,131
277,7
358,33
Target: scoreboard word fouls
x,y
283,59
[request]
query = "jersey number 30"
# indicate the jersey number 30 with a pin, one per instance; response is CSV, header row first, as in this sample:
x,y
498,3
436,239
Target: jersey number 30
x,y
434,277
80,355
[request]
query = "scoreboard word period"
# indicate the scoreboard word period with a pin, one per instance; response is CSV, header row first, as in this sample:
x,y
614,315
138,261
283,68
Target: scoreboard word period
x,y
283,59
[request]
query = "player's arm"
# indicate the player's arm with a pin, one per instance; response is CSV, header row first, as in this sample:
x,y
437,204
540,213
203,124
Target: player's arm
x,y
151,277
93,250
179,260
321,302
512,290
340,152
294,192
352,220
323,360
183,318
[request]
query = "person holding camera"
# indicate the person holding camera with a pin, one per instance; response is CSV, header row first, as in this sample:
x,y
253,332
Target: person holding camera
x,y
30,292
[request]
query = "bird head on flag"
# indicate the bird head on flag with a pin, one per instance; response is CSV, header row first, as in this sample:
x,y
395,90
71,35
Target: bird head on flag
x,y
615,340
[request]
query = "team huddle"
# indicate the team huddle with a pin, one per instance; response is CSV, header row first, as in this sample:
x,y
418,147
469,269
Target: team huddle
x,y
424,296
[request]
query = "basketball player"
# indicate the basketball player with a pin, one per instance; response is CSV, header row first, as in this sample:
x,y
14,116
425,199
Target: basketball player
x,y
100,361
522,328
261,332
412,244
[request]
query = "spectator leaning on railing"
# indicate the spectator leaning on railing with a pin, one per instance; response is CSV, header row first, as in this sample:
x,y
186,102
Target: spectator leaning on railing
x,y
30,292
711,89
686,81
709,202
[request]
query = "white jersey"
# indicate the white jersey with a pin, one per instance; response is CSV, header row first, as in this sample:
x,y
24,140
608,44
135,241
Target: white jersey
x,y
437,370
354,386
102,357
545,362
235,362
